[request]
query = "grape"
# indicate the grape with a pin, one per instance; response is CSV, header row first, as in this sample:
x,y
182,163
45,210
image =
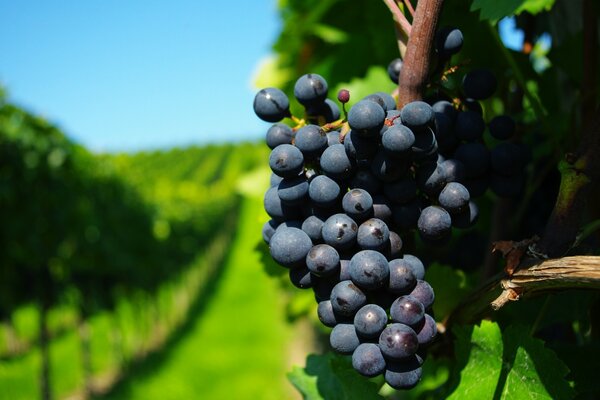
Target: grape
x,y
335,162
326,314
312,226
404,374
340,231
454,170
271,105
343,96
393,70
359,148
385,100
333,137
275,180
381,208
393,247
479,84
323,260
469,126
397,140
366,118
472,105
328,110
454,198
311,140
268,230
427,330
407,310
301,278
324,191
416,265
398,341
347,298
286,161
358,204
275,208
467,218
448,41
444,132
293,191
402,278
310,89
370,321
367,360
279,134
288,224
343,338
475,157
416,115
502,127
373,234
424,293
369,269
425,144
289,247
446,108
431,178
434,224
322,287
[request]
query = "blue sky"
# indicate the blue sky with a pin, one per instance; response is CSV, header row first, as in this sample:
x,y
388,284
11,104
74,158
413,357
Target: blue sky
x,y
126,75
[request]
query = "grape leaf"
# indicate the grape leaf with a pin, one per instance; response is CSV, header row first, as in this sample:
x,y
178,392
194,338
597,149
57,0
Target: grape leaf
x,y
509,365
480,351
331,377
495,10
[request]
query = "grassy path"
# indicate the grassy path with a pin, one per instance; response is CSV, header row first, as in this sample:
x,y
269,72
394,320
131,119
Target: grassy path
x,y
237,347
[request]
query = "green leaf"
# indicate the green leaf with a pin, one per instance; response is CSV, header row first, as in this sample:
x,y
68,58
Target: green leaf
x,y
331,377
494,10
329,34
532,371
479,349
512,365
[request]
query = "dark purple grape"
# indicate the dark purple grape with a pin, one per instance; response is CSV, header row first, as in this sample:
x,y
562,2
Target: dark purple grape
x,y
404,374
286,161
279,134
289,247
402,278
343,96
397,140
398,341
393,69
347,298
385,100
366,118
434,224
430,178
333,137
276,209
268,230
475,157
364,179
454,198
416,115
301,278
343,339
310,89
323,260
340,231
370,321
271,105
293,191
335,162
454,170
373,234
358,204
326,314
328,110
469,126
424,293
369,269
448,41
446,108
311,140
324,191
359,148
427,330
312,225
382,208
367,360
407,310
425,144
416,265
393,247
387,168
467,218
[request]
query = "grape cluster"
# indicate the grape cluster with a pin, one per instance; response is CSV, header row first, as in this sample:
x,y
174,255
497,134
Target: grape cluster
x,y
338,201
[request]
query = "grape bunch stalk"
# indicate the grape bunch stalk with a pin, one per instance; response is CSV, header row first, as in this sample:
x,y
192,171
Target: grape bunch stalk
x,y
347,186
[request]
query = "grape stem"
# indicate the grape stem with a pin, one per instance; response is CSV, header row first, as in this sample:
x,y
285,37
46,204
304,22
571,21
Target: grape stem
x,y
415,68
409,7
534,277
399,16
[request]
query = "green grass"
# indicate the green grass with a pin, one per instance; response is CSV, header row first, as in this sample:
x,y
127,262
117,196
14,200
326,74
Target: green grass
x,y
236,347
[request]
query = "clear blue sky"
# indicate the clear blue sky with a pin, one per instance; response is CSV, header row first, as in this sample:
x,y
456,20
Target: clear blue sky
x,y
126,75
